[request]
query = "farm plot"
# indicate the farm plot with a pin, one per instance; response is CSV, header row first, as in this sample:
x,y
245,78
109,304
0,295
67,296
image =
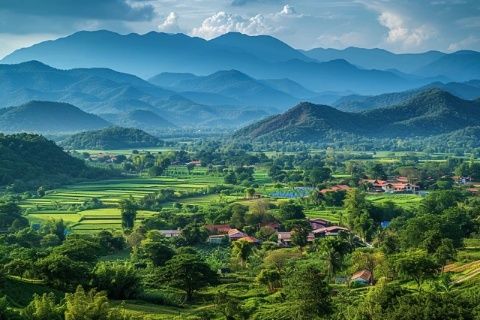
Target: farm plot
x,y
406,201
65,203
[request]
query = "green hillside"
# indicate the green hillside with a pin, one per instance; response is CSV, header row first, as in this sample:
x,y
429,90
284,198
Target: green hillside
x,y
429,113
48,117
112,138
28,160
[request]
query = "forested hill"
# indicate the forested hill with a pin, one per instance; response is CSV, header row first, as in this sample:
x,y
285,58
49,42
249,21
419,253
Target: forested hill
x,y
429,113
29,160
48,117
111,138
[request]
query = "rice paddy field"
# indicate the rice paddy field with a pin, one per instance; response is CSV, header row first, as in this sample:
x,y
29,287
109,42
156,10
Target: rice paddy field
x,y
63,203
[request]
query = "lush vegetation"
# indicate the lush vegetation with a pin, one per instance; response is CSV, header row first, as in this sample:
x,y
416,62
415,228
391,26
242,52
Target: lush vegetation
x,y
429,113
30,161
140,246
112,138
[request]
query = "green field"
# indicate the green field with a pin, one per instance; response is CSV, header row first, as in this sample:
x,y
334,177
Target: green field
x,y
406,201
64,203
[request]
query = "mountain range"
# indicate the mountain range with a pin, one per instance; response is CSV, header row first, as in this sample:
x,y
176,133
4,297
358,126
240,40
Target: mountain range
x,y
469,90
104,91
261,57
428,113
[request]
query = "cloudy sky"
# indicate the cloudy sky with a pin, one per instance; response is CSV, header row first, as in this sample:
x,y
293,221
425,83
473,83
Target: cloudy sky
x,y
396,25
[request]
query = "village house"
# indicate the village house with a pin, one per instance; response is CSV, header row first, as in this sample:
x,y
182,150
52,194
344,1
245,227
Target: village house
x,y
218,228
397,185
284,239
317,223
328,231
196,163
362,277
336,188
171,233
250,239
235,234
217,239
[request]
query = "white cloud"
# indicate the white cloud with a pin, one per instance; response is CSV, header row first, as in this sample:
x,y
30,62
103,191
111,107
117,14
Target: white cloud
x,y
400,33
170,24
222,22
464,44
266,23
288,10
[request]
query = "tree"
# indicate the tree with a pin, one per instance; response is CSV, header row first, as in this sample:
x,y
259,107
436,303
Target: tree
x,y
7,313
291,211
377,172
128,209
194,233
91,305
229,306
119,279
358,216
318,176
300,233
415,265
56,227
43,307
60,271
190,166
445,252
230,178
241,250
156,250
271,278
310,291
333,251
250,192
187,272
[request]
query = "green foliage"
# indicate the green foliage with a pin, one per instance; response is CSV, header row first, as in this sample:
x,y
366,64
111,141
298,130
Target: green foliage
x,y
43,307
61,271
128,210
90,305
241,250
194,233
415,265
112,138
291,211
120,280
307,286
187,272
28,161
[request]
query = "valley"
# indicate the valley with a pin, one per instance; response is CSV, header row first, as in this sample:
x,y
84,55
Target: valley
x,y
205,166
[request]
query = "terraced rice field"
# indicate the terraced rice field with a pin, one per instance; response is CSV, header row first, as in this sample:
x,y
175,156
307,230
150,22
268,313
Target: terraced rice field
x,y
406,201
63,203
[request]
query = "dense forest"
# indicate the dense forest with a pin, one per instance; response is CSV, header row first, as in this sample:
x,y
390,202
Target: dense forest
x,y
28,161
112,138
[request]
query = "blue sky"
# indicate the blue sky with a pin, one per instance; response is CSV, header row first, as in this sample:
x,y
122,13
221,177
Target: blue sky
x,y
396,25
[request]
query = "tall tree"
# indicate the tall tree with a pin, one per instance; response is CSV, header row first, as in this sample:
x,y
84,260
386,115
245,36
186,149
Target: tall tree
x,y
128,209
241,250
189,273
310,291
